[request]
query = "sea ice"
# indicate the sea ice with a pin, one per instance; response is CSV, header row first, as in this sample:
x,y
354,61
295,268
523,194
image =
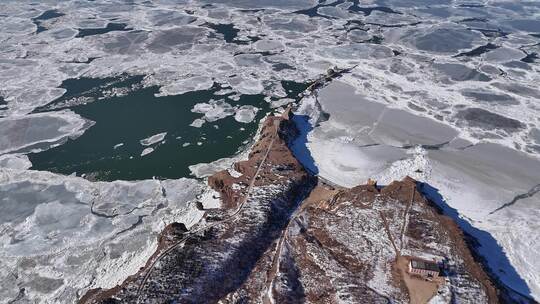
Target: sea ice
x,y
246,114
118,146
15,161
40,131
153,139
104,232
402,62
147,151
214,110
210,199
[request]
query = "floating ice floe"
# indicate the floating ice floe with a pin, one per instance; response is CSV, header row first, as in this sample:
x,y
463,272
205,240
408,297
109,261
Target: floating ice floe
x,y
246,114
206,169
187,85
40,131
214,110
118,146
153,139
197,123
15,161
147,151
281,102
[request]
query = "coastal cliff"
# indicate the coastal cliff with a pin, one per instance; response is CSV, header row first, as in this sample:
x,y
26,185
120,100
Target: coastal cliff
x,y
284,236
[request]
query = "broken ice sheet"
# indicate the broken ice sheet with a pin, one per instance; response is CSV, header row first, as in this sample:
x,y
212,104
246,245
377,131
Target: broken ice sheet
x,y
104,232
153,139
246,114
147,151
214,110
36,132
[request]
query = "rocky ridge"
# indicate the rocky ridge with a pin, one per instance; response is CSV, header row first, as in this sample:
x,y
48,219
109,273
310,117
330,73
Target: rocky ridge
x,y
283,236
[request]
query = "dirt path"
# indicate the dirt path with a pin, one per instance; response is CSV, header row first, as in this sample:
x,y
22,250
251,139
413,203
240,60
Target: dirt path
x,y
387,228
420,291
268,295
315,196
406,218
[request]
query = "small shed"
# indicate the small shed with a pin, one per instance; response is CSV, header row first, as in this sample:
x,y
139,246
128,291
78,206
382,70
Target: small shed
x,y
424,268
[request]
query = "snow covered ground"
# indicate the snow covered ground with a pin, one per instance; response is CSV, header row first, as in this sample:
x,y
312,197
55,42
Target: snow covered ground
x,y
492,190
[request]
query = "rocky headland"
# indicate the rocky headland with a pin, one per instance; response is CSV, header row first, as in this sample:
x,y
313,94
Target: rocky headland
x,y
284,236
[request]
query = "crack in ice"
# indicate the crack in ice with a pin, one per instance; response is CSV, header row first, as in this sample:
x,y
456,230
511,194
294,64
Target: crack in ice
x,y
518,197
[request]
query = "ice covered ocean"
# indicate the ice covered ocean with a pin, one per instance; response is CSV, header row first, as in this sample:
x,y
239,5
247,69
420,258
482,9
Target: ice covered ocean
x,y
110,112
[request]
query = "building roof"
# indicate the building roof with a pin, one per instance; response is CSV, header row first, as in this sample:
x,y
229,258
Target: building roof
x,y
425,265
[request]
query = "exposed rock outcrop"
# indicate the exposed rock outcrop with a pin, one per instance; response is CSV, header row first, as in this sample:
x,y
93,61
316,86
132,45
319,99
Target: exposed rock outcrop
x,y
283,237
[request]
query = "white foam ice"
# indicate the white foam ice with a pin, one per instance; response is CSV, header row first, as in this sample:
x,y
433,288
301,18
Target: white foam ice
x,y
234,173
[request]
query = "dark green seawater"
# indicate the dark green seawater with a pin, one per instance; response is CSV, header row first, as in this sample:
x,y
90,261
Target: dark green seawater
x,y
138,115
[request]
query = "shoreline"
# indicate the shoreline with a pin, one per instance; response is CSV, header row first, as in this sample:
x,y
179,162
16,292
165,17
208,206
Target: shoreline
x,y
223,183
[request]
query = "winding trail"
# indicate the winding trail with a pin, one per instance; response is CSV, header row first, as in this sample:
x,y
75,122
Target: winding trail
x,y
406,218
274,269
387,228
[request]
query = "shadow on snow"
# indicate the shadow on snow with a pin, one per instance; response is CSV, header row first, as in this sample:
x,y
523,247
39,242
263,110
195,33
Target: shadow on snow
x,y
485,246
299,145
